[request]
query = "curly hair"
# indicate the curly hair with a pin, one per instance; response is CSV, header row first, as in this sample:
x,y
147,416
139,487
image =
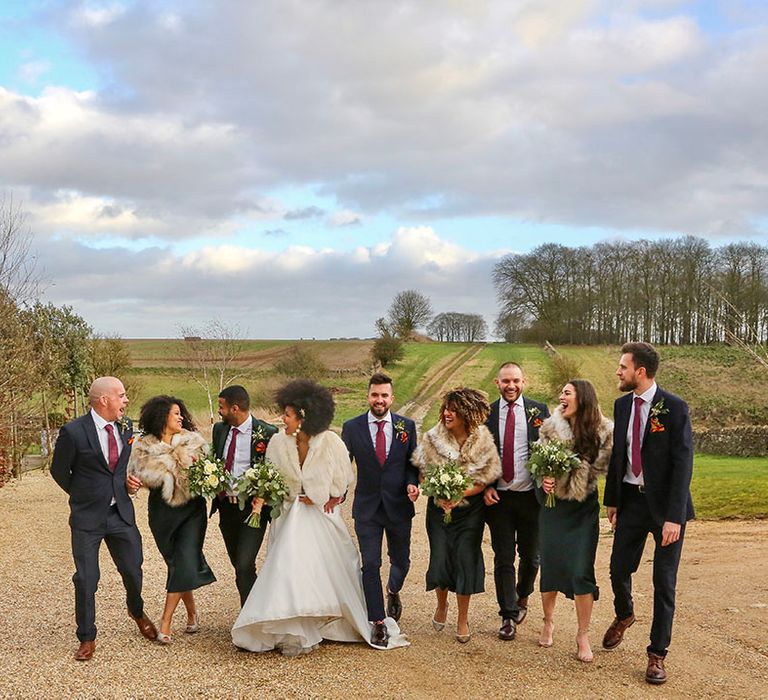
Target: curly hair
x,y
311,401
470,404
154,415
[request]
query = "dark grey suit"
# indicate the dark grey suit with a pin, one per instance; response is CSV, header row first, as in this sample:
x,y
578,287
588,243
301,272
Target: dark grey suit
x,y
80,468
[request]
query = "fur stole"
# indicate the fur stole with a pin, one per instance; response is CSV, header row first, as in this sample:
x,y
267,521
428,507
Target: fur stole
x,y
327,470
478,455
582,481
164,466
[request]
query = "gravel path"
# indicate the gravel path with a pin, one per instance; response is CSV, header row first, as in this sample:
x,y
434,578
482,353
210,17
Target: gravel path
x,y
720,646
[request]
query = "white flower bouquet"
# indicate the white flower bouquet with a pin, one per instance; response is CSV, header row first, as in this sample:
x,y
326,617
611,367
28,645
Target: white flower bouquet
x,y
208,477
551,459
446,482
263,481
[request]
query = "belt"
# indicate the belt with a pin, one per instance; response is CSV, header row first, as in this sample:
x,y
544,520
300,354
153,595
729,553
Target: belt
x,y
633,488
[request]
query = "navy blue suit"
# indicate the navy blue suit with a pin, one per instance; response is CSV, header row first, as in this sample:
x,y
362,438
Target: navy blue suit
x,y
667,459
514,522
382,505
80,468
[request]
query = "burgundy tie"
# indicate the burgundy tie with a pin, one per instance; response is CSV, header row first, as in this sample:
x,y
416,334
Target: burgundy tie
x,y
637,462
111,446
381,442
230,461
508,448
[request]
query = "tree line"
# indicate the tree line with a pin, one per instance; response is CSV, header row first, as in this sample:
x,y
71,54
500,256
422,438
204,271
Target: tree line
x,y
670,291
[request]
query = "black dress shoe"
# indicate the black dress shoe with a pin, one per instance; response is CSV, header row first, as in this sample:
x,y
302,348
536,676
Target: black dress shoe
x,y
507,630
394,606
522,610
379,635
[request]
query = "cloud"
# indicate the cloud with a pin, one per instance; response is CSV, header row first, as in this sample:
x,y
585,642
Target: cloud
x,y
276,232
345,218
297,292
303,213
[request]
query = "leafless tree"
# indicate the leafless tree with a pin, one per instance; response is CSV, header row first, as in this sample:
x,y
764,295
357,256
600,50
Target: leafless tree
x,y
408,311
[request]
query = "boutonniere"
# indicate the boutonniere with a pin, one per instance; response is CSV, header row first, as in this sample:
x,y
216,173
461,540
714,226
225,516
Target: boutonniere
x,y
657,410
259,440
533,416
400,432
124,423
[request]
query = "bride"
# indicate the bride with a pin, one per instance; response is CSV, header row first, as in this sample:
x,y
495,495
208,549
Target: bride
x,y
309,587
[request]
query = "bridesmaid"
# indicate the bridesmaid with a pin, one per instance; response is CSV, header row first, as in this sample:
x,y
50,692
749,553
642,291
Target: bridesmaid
x,y
455,554
160,458
569,531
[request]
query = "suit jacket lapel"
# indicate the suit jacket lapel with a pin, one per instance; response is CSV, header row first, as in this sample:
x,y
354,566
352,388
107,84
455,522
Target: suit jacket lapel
x,y
222,440
93,439
396,445
622,423
366,435
493,422
528,423
654,400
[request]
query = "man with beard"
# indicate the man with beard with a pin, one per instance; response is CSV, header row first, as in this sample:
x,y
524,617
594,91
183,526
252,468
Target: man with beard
x,y
512,510
381,444
647,490
240,440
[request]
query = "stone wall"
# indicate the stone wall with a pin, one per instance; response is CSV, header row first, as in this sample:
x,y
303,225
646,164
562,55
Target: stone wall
x,y
743,441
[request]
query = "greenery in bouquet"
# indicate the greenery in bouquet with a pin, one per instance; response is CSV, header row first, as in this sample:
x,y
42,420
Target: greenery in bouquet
x,y
551,459
208,477
446,482
264,481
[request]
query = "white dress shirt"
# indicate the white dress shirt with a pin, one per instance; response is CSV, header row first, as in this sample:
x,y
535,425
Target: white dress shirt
x,y
645,409
103,436
522,480
242,460
374,429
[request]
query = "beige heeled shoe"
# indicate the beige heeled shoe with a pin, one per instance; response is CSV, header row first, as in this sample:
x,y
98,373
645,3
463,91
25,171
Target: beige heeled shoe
x,y
193,626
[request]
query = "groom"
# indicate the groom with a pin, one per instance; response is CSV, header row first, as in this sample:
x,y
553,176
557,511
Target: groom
x,y
647,489
381,443
240,440
89,463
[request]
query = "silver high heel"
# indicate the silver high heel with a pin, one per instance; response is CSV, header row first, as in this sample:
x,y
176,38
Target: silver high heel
x,y
193,626
163,638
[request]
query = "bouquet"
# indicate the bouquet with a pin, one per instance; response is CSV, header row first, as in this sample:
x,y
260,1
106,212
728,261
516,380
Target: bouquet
x,y
446,482
264,481
208,477
551,459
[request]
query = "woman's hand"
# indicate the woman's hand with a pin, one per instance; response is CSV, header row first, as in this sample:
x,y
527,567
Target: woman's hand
x,y
257,504
133,484
447,506
306,500
548,484
333,501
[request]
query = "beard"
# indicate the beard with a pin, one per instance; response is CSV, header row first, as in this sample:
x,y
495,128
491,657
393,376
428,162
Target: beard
x,y
379,411
628,385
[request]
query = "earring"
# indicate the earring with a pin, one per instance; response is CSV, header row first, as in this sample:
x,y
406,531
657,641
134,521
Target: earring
x,y
296,432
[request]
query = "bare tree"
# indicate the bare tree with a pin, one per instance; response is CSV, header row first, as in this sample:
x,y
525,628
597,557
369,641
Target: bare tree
x,y
408,311
214,356
19,278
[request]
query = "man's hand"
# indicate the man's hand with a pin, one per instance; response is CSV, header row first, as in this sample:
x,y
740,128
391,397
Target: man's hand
x,y
670,533
133,484
491,496
611,516
413,492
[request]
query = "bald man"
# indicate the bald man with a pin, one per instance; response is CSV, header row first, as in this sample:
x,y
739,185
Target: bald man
x,y
89,463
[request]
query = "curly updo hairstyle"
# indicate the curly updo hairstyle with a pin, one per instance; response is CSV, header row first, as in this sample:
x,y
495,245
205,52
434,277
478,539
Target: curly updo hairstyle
x,y
154,415
470,404
312,402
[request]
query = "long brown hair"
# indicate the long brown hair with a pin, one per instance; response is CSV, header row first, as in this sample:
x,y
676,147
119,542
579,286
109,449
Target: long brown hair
x,y
586,422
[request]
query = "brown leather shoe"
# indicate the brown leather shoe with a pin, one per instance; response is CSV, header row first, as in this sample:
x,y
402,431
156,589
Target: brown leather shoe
x,y
655,673
507,630
522,610
615,632
85,651
379,635
145,627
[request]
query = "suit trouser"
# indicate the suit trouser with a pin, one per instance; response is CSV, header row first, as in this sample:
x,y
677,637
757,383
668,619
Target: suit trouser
x,y
370,533
514,526
633,524
242,542
124,544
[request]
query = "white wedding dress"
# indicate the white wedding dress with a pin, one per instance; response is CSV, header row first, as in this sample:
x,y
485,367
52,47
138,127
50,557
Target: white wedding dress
x,y
310,586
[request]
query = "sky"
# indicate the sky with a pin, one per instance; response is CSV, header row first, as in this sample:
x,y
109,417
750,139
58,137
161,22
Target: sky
x,y
287,166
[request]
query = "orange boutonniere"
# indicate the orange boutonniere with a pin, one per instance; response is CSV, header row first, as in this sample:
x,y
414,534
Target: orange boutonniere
x,y
400,432
657,410
130,440
534,416
537,422
261,447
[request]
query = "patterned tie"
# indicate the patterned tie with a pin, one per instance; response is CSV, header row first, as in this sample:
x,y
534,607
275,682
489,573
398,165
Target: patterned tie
x,y
230,461
111,446
637,462
508,447
381,442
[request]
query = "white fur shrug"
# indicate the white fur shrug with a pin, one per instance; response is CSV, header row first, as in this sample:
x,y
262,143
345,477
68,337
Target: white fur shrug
x,y
478,455
327,470
579,483
164,466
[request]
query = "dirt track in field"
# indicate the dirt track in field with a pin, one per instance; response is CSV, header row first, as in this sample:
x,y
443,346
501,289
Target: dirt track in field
x,y
719,650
